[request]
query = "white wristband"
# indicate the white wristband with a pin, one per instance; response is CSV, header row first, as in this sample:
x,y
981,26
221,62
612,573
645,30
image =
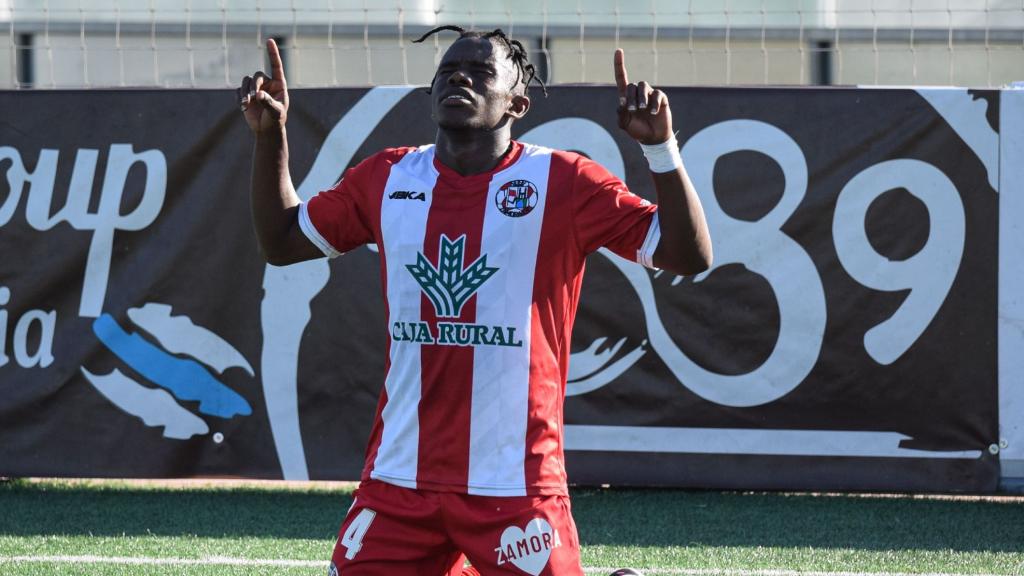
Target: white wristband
x,y
663,157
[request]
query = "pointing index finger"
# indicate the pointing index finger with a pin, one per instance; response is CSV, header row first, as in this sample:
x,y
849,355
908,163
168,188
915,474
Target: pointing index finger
x,y
276,66
621,80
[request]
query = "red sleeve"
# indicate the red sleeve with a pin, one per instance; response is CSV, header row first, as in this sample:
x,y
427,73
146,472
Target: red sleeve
x,y
606,213
340,219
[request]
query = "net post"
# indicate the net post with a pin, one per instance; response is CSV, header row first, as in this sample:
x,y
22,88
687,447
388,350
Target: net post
x,y
224,42
25,69
83,46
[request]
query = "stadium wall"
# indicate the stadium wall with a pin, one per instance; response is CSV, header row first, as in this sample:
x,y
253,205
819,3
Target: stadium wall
x,y
861,328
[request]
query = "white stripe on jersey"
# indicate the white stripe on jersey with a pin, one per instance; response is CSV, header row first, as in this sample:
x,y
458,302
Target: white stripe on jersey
x,y
501,374
403,225
306,225
645,255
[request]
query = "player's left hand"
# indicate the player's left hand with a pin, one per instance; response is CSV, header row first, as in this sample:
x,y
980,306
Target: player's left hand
x,y
643,111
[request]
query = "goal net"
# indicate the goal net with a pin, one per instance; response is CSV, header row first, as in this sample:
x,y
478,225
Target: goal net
x,y
195,43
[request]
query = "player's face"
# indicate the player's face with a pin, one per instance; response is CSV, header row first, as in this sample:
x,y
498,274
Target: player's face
x,y
475,87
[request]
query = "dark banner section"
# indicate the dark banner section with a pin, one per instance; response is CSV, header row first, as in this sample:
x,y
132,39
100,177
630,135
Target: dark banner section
x,y
846,337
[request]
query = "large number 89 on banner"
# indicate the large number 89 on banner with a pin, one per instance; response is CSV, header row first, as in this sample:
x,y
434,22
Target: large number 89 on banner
x,y
763,248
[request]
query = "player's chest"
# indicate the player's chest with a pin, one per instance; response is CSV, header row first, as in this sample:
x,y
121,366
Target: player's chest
x,y
494,215
450,240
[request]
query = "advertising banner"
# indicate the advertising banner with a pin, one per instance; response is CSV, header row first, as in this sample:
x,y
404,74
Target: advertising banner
x,y
846,337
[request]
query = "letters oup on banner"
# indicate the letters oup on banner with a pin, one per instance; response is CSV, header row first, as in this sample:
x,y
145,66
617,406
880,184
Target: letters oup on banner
x,y
177,378
103,223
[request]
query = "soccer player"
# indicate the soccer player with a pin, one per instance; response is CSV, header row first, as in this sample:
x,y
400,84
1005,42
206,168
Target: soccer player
x,y
482,244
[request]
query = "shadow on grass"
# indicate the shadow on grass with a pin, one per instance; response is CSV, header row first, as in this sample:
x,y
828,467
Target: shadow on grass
x,y
604,517
55,509
693,518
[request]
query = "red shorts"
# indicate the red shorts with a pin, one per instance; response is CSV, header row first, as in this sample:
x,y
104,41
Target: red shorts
x,y
394,531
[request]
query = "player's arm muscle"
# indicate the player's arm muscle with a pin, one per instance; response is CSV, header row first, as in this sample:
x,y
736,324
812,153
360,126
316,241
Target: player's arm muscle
x,y
275,204
644,113
685,246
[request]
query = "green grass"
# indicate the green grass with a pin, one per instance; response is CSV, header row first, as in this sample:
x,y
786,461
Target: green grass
x,y
666,530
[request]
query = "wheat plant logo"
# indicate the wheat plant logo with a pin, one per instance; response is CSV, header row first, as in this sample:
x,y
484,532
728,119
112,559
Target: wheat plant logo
x,y
449,285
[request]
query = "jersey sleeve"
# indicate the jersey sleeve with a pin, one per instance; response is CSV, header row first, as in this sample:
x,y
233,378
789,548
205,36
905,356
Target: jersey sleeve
x,y
607,214
337,220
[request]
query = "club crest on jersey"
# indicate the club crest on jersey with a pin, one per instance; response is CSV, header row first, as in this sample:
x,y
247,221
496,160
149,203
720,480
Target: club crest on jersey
x,y
517,198
448,286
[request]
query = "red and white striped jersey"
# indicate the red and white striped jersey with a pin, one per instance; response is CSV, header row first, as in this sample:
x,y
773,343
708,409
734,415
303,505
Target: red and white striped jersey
x,y
481,278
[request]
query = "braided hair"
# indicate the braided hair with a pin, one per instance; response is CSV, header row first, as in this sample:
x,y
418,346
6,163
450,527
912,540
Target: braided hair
x,y
526,73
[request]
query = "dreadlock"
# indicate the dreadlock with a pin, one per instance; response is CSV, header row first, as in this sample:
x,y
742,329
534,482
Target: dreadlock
x,y
525,70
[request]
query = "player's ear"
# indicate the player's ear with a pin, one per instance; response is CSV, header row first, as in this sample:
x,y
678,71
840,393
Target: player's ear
x,y
518,106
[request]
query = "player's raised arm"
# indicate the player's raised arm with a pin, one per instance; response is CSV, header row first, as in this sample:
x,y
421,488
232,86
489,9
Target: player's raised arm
x,y
644,113
264,103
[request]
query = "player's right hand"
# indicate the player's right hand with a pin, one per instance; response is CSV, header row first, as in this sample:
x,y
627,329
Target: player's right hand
x,y
263,99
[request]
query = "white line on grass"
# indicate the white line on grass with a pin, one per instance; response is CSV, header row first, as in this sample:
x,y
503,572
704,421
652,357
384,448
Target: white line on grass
x,y
229,561
768,572
148,560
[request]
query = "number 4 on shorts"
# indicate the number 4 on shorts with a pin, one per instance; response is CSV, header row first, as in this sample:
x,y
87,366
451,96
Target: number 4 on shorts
x,y
352,539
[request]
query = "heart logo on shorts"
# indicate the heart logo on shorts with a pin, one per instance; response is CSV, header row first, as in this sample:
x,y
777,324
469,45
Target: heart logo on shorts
x,y
529,549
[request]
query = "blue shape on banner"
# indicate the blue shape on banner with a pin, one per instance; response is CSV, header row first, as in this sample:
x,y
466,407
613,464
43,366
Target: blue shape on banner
x,y
186,379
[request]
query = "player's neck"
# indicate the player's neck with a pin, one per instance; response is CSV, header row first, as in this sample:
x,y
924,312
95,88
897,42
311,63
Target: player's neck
x,y
472,152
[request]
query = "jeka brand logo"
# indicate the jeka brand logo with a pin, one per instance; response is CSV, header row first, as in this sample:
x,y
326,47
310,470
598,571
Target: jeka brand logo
x,y
517,198
529,549
408,195
449,285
